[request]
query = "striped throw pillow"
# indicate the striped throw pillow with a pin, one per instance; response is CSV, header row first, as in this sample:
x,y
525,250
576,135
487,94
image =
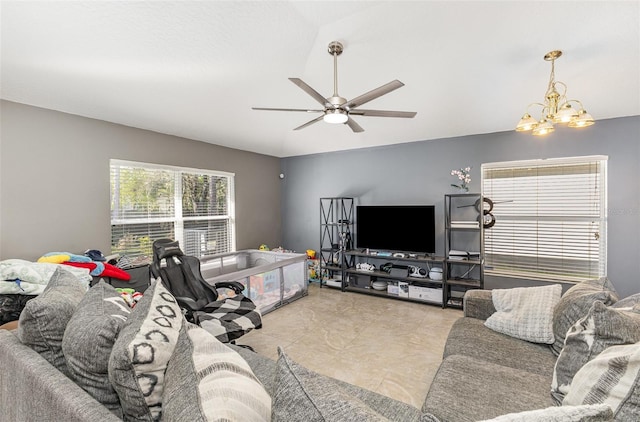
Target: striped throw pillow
x,y
208,381
612,378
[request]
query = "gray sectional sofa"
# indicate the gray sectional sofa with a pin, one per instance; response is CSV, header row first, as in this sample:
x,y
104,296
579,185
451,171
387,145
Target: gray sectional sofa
x,y
484,374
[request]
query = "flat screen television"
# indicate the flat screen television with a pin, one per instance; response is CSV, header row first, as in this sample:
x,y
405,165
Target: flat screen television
x,y
409,228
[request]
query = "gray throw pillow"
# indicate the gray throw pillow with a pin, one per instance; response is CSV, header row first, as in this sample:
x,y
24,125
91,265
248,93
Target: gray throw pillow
x,y
525,312
600,329
141,352
628,302
575,304
44,318
88,340
208,381
612,378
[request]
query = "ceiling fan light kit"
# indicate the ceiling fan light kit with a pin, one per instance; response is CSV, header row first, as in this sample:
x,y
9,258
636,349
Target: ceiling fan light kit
x,y
335,116
556,107
337,109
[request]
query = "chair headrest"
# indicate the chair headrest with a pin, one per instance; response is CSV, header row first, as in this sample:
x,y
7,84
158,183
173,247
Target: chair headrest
x,y
166,248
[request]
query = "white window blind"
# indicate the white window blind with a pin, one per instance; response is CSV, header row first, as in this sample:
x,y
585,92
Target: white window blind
x,y
550,218
149,202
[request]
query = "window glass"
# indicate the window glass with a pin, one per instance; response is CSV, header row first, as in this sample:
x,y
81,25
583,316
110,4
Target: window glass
x,y
150,202
550,218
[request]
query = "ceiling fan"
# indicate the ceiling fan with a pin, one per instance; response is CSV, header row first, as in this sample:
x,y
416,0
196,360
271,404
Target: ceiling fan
x,y
337,109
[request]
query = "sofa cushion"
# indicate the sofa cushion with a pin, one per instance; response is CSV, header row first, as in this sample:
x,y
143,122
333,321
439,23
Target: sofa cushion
x,y
585,413
88,340
466,389
265,368
469,337
206,380
612,378
601,328
525,312
32,390
141,352
575,304
301,394
262,367
44,318
478,304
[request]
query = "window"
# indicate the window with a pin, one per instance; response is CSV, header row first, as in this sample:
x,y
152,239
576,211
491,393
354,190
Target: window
x,y
150,202
550,218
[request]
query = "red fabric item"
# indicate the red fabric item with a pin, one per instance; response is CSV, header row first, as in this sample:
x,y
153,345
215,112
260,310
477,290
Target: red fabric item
x,y
88,265
115,272
109,270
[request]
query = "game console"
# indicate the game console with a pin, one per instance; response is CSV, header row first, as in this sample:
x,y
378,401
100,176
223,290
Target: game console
x,y
418,272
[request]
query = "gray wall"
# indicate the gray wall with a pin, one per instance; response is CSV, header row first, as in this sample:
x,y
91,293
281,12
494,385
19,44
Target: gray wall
x,y
419,173
54,180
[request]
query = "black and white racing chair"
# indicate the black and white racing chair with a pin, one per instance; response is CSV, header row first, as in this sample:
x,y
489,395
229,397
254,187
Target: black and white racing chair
x,y
227,319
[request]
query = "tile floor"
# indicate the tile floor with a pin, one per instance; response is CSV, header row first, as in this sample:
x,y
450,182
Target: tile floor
x,y
388,346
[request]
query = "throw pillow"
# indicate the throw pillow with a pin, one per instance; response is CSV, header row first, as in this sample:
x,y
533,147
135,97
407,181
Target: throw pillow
x,y
300,394
585,413
207,381
88,340
601,328
140,354
575,304
628,302
44,318
611,378
525,312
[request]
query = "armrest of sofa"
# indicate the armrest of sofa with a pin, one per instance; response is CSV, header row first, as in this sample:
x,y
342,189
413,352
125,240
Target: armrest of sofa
x,y
32,389
478,304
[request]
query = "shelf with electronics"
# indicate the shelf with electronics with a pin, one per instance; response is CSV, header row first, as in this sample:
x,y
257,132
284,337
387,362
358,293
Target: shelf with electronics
x,y
398,275
466,216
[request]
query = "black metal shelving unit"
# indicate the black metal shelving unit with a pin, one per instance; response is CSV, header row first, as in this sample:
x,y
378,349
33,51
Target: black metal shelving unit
x,y
336,236
464,232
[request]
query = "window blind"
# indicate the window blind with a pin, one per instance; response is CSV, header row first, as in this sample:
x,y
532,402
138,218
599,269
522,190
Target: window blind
x,y
150,202
550,218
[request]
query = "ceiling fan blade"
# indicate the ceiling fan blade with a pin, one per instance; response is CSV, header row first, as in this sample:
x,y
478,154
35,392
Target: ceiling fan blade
x,y
315,94
383,113
287,109
354,126
373,94
309,123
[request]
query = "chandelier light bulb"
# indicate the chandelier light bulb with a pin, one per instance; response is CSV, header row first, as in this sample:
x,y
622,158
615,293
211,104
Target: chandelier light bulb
x,y
543,128
566,114
583,119
526,123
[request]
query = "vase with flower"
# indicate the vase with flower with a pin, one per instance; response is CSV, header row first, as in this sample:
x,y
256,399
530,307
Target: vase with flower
x,y
465,178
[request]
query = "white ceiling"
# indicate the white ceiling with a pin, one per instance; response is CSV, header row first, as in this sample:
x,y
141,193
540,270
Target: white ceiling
x,y
195,69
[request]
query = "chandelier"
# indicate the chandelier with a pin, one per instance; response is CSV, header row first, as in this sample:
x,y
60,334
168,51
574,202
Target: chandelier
x,y
556,108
